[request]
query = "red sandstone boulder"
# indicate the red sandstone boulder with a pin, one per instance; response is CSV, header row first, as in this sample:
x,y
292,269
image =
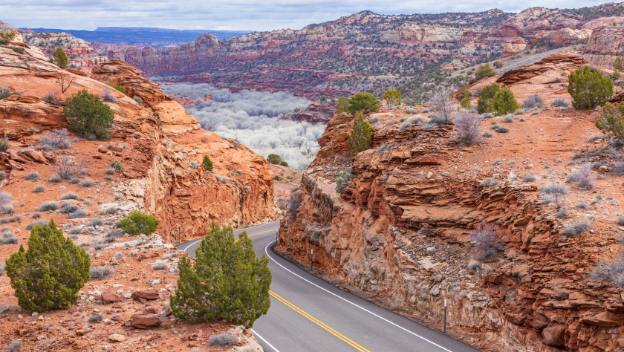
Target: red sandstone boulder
x,y
554,335
145,295
110,297
145,321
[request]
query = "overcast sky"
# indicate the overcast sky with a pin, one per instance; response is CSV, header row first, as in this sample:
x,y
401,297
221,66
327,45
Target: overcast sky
x,y
232,14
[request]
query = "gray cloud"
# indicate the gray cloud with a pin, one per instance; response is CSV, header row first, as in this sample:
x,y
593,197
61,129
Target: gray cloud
x,y
253,118
232,14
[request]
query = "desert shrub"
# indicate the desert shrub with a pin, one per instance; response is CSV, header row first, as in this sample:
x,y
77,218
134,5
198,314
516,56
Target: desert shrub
x,y
60,58
67,208
55,139
49,275
78,214
5,203
7,36
10,220
7,237
484,71
486,98
363,101
560,103
467,128
583,177
343,180
87,183
276,159
561,214
442,104
504,102
489,182
67,168
589,88
159,265
52,99
533,101
55,178
138,222
464,99
342,105
108,96
224,339
498,64
485,243
32,176
611,271
68,196
554,193
4,145
575,228
88,117
118,87
14,346
227,282
48,206
39,189
138,99
529,178
101,272
611,120
361,135
620,220
207,163
500,129
116,166
392,96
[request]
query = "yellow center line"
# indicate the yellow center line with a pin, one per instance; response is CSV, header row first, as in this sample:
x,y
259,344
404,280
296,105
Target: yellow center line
x,y
316,321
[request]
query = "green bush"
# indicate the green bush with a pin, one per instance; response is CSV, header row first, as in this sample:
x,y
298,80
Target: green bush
x,y
342,105
227,282
464,99
276,159
611,120
505,102
118,87
343,180
138,222
589,88
49,275
618,64
361,136
60,58
88,116
207,163
363,101
7,36
484,71
4,145
486,99
392,96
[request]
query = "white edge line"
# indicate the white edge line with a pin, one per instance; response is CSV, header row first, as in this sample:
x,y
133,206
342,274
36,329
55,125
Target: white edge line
x,y
352,303
264,340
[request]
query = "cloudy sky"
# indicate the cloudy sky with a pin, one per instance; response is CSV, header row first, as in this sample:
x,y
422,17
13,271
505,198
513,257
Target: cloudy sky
x,y
232,14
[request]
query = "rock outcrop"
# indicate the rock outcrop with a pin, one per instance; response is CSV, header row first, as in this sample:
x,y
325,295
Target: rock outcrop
x,y
605,45
164,145
407,230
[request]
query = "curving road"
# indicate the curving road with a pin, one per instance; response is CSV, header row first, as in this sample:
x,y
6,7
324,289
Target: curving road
x,y
309,314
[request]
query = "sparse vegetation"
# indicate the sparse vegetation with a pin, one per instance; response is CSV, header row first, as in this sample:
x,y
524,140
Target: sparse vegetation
x,y
207,163
222,340
32,176
611,271
101,272
88,117
39,189
554,193
60,58
294,203
8,237
583,177
67,168
138,222
486,99
48,206
392,96
505,102
276,159
442,104
467,128
489,182
6,206
589,88
4,145
52,99
342,105
7,36
529,178
343,180
361,135
533,101
227,282
116,166
118,87
55,139
49,275
364,102
108,96
464,99
484,71
485,243
611,120
575,229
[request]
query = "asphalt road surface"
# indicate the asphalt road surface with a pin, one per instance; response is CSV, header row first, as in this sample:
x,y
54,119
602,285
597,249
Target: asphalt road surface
x,y
309,314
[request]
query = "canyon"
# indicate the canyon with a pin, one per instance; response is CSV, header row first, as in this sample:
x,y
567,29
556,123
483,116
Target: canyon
x,y
404,231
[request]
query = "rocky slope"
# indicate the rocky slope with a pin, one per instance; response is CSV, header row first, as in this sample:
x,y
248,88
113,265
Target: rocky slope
x,y
402,233
367,51
158,149
80,53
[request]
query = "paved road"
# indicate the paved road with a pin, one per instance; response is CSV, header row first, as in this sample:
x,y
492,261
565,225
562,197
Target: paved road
x,y
309,314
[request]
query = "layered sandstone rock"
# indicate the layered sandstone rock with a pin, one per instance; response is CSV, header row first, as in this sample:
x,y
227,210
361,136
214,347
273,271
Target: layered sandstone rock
x,y
605,45
164,145
400,233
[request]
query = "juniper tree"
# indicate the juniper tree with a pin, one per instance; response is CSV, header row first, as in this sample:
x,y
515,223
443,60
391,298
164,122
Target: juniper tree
x,y
589,88
361,135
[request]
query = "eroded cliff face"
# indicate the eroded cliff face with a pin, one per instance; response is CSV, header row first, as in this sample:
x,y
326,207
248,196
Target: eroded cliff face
x,y
164,146
400,233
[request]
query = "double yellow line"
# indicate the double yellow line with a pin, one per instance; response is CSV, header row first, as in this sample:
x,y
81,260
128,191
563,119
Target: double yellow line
x,y
324,326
